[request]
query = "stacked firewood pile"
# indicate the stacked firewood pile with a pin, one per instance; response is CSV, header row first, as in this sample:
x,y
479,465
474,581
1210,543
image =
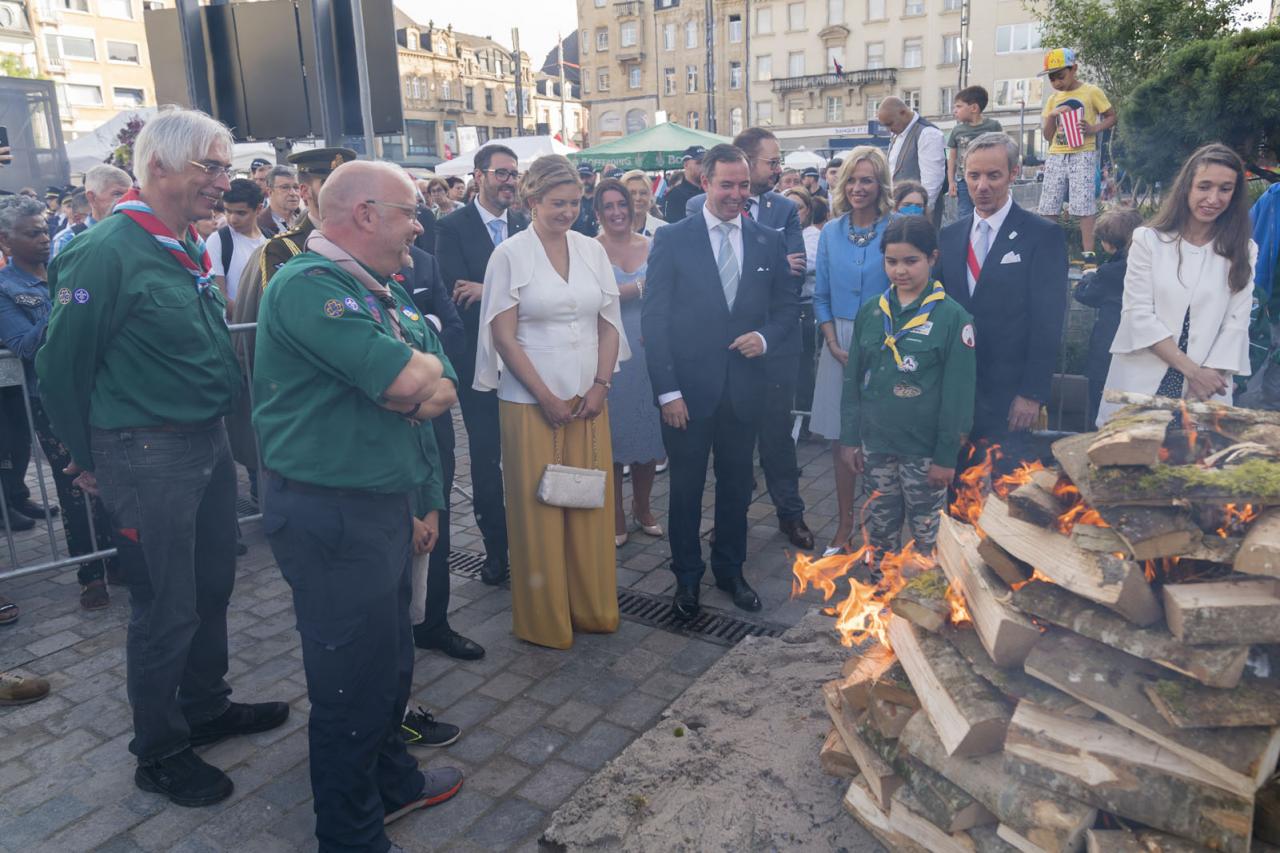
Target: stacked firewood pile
x,y
1090,664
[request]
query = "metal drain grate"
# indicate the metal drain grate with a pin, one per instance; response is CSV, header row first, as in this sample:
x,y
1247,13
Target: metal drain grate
x,y
655,610
712,625
246,507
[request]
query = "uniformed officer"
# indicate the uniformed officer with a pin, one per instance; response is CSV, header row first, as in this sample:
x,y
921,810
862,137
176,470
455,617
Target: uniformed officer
x,y
908,392
340,398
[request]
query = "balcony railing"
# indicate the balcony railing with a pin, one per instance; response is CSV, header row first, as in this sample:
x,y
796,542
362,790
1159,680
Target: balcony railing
x,y
628,9
861,77
451,105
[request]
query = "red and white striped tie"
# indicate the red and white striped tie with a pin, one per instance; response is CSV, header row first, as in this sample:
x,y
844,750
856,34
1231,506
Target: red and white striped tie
x,y
978,248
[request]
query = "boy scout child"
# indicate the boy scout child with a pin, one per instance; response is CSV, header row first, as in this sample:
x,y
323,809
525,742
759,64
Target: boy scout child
x,y
908,391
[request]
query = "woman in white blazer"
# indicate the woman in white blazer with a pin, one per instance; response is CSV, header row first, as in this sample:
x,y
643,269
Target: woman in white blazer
x,y
1188,291
550,341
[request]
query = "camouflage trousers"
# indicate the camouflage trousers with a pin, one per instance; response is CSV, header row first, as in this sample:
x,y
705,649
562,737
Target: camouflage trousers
x,y
897,489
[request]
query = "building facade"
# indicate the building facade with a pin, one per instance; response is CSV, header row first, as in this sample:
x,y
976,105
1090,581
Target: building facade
x,y
459,91
643,61
95,51
821,68
555,116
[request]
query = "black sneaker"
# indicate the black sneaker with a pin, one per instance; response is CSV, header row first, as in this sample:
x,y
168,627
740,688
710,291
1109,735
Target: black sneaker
x,y
421,729
240,719
185,779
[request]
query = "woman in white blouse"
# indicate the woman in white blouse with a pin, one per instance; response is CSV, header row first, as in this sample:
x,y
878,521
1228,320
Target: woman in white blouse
x,y
1188,290
550,341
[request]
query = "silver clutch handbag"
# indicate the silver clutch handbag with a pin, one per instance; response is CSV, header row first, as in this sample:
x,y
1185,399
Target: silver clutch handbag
x,y
569,487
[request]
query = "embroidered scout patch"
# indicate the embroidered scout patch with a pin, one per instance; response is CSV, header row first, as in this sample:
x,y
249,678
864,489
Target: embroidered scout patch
x,y
351,304
81,296
333,308
64,295
27,300
373,307
923,328
409,312
966,335
905,391
908,365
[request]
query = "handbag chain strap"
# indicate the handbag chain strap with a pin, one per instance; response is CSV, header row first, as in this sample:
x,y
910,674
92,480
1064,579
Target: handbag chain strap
x,y
555,447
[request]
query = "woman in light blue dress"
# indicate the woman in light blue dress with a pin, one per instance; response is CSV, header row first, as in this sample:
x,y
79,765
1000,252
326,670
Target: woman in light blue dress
x,y
636,426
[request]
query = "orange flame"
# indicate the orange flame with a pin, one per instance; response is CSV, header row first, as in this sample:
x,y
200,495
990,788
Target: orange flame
x,y
1235,518
863,613
1020,476
971,490
959,608
1035,576
1189,426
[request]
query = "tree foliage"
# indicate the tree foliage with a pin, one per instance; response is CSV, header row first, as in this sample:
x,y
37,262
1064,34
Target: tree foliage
x,y
11,65
1221,90
1123,42
122,155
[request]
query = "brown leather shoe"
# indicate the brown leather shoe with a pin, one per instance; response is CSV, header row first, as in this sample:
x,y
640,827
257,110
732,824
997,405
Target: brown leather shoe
x,y
21,689
798,532
94,596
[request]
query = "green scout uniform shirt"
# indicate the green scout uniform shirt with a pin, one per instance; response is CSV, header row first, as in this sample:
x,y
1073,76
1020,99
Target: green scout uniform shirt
x,y
131,343
324,356
921,412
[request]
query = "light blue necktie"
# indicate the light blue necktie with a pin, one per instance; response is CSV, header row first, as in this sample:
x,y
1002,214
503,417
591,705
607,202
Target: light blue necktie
x,y
496,229
727,262
984,242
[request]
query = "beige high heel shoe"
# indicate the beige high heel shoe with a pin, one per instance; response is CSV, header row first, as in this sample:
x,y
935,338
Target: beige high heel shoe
x,y
654,529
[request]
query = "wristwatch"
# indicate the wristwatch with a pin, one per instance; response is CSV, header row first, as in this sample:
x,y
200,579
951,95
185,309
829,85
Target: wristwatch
x,y
605,382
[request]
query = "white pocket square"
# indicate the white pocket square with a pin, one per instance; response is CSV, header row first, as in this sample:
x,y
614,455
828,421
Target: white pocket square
x,y
1011,258
762,269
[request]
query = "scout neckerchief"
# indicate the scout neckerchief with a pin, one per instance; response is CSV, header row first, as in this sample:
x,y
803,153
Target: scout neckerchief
x,y
326,248
936,295
132,206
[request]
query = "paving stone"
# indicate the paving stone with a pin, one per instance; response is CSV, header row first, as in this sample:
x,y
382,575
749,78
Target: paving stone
x,y
233,827
573,716
536,746
637,663
441,823
505,686
509,822
637,711
498,776
605,689
450,688
518,716
597,745
477,745
94,831
44,820
696,657
666,685
49,645
290,789
552,784
470,711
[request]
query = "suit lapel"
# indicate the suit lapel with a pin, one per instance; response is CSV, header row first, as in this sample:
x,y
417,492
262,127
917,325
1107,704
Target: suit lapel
x,y
954,259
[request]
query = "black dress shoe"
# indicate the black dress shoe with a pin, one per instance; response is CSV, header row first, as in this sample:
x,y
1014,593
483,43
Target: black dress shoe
x,y
450,642
744,597
798,532
240,719
684,605
494,571
185,778
31,509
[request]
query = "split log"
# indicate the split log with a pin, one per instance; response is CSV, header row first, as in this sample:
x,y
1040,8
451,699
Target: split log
x,y
986,839
906,819
1224,612
1146,841
1032,504
860,803
1127,775
1260,552
1149,532
1018,841
1104,540
1132,437
1006,634
1050,822
889,718
1013,683
1007,567
1215,666
876,772
1266,823
1220,412
861,672
835,759
968,713
1215,549
1187,705
1107,580
1237,759
923,601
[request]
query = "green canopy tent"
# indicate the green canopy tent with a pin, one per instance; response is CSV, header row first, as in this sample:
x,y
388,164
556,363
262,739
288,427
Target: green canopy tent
x,y
651,149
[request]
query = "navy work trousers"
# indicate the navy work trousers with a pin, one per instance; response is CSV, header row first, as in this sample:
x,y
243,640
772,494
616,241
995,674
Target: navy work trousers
x,y
347,558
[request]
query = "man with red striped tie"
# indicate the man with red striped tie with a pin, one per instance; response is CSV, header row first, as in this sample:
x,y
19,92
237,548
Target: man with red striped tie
x,y
1008,268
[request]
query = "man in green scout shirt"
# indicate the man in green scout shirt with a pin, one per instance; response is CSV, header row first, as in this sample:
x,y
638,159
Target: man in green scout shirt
x,y
136,374
341,396
908,394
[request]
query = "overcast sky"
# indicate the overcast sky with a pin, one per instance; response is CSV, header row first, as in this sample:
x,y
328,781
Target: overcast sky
x,y
541,20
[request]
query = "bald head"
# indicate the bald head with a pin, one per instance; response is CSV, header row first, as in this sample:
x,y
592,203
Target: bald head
x,y
894,114
370,211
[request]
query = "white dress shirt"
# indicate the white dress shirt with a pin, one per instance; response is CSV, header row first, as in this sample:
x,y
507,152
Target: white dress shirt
x,y
996,221
931,152
713,223
486,217
557,320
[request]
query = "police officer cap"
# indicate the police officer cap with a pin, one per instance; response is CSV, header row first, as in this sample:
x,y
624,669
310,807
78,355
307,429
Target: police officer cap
x,y
613,172
810,172
585,169
258,163
320,161
693,152
52,192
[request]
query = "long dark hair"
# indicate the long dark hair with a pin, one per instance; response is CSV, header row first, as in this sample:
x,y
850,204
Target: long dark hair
x,y
1231,230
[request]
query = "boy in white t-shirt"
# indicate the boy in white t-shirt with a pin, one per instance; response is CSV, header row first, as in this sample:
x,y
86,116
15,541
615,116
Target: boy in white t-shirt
x,y
241,204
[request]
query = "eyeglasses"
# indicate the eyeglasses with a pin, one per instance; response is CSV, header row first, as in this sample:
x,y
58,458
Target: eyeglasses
x,y
773,164
410,209
214,170
289,188
503,174
1057,75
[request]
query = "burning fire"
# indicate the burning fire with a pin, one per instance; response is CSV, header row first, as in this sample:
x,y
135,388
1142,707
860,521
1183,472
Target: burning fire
x,y
863,612
1189,426
959,609
1236,518
971,492
1035,576
1020,476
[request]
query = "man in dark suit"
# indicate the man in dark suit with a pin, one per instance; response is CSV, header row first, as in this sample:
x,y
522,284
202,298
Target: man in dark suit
x,y
464,241
719,292
675,205
1008,268
777,447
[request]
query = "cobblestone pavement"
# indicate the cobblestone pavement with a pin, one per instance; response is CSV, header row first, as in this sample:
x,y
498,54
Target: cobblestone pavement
x,y
536,722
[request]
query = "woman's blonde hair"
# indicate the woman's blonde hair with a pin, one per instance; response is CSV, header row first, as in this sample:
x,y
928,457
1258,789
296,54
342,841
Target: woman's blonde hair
x,y
874,156
545,174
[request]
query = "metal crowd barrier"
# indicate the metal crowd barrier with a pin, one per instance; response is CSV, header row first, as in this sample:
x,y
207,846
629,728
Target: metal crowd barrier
x,y
44,547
